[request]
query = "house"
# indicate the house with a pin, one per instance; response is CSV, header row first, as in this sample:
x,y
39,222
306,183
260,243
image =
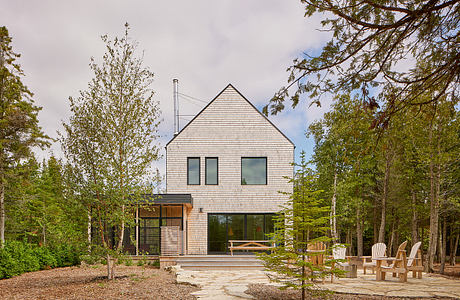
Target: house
x,y
224,172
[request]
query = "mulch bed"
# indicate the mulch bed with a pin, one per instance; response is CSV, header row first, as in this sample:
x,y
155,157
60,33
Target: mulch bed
x,y
88,282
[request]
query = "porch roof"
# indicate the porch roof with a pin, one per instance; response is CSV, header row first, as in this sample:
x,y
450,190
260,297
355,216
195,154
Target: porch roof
x,y
168,199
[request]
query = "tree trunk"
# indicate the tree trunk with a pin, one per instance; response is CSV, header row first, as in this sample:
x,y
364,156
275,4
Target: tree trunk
x,y
348,241
443,248
110,267
89,229
434,211
375,222
333,219
359,232
121,235
2,211
384,198
453,249
414,227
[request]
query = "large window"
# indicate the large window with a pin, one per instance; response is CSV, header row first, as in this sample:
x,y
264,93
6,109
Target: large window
x,y
225,227
211,170
193,170
253,170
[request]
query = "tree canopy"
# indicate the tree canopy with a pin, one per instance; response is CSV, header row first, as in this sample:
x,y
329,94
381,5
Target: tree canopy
x,y
398,48
19,128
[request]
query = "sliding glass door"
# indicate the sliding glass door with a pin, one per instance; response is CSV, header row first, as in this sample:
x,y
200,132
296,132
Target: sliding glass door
x,y
225,227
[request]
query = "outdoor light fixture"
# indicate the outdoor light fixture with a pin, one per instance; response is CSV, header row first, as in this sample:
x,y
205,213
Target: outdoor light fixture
x,y
201,209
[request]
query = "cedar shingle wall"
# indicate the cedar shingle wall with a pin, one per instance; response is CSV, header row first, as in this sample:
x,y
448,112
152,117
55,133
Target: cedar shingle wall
x,y
229,129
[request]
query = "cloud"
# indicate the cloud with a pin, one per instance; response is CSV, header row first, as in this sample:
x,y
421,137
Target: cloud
x,y
205,44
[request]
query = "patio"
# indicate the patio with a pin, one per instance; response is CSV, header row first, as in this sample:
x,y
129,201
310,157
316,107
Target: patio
x,y
221,284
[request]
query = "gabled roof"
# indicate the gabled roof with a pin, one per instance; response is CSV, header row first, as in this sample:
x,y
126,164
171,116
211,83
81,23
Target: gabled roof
x,y
231,86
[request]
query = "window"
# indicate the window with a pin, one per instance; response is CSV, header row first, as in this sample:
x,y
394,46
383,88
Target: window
x,y
211,171
225,227
193,170
253,170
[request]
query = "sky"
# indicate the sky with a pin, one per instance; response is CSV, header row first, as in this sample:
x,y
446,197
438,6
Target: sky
x,y
204,44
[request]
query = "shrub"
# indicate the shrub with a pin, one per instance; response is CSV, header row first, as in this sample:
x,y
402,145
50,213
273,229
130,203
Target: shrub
x,y
20,257
45,257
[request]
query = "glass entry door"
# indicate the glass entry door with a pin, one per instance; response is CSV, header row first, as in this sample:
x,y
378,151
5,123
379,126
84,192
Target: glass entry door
x,y
225,227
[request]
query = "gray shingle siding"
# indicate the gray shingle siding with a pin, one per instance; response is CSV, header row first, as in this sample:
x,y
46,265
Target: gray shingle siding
x,y
228,128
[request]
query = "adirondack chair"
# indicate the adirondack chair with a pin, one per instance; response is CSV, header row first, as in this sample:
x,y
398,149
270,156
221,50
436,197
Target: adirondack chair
x,y
378,250
399,266
317,251
338,252
414,261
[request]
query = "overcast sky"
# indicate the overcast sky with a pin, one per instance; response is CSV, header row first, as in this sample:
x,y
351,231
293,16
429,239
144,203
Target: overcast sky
x,y
205,44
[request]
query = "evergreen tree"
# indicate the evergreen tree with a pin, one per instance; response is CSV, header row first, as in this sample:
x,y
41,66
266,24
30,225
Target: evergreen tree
x,y
301,222
19,129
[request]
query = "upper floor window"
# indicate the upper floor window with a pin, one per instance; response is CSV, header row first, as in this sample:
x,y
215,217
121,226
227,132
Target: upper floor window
x,y
193,170
211,176
253,170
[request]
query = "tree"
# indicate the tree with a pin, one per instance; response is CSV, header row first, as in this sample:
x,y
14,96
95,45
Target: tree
x,y
112,140
380,44
302,221
344,161
19,128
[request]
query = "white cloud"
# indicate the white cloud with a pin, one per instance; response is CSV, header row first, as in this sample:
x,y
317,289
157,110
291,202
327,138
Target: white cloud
x,y
205,44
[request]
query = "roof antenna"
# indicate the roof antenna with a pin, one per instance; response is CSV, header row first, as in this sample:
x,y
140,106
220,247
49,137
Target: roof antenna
x,y
176,105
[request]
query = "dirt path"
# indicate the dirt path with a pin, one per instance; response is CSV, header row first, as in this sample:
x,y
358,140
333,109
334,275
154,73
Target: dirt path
x,y
132,282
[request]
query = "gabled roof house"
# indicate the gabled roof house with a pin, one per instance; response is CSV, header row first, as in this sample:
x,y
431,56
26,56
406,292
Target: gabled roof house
x,y
224,173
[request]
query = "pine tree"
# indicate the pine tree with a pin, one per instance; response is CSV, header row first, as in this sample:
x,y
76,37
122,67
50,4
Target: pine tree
x,y
301,222
19,129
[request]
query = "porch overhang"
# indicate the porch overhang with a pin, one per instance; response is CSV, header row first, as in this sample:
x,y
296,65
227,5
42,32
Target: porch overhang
x,y
184,199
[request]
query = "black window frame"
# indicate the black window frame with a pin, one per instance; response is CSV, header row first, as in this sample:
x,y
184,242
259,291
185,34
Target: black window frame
x,y
199,171
245,214
266,170
206,171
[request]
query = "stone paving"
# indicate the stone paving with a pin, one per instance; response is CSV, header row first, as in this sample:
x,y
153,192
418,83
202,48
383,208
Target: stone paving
x,y
231,284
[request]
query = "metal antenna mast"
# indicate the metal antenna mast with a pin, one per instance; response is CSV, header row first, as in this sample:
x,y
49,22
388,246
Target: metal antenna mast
x,y
176,105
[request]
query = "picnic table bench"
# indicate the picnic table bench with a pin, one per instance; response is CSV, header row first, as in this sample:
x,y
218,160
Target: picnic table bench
x,y
250,245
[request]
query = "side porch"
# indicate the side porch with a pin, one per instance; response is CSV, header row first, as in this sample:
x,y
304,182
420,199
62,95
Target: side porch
x,y
160,226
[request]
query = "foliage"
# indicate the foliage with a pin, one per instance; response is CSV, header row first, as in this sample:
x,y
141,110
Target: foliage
x,y
111,141
19,257
392,185
302,222
19,128
399,48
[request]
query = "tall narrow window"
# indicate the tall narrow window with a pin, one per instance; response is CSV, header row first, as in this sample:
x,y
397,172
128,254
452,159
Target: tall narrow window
x,y
193,170
212,168
253,170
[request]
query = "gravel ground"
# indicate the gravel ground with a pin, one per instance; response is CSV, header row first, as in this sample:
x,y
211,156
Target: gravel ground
x,y
267,292
88,282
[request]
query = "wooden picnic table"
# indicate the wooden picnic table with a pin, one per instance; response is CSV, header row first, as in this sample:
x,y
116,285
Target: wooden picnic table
x,y
251,245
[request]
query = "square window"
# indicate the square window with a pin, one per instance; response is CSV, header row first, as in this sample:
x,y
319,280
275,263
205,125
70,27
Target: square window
x,y
253,170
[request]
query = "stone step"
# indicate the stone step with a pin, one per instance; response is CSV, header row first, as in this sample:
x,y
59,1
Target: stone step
x,y
215,262
203,268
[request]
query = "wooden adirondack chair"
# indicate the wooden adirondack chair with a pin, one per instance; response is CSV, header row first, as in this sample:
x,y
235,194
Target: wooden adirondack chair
x,y
338,252
414,261
378,250
399,266
317,251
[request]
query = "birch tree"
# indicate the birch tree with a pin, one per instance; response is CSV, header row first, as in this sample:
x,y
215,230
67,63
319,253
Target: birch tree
x,y
112,137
